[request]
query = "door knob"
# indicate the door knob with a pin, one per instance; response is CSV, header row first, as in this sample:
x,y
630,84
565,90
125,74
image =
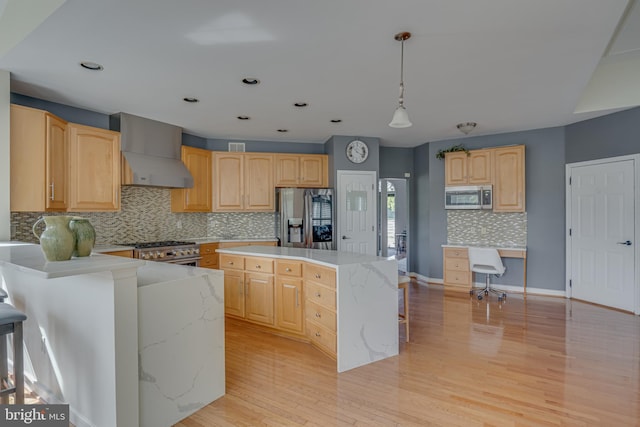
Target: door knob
x,y
627,243
345,237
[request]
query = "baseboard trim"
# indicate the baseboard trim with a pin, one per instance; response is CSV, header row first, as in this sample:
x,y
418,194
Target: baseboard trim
x,y
507,288
46,396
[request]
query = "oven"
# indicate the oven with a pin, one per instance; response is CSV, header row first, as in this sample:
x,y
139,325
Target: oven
x,y
169,251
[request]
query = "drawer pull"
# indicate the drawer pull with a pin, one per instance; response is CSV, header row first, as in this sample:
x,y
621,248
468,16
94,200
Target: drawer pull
x,y
230,262
318,334
318,294
318,315
317,276
288,270
258,266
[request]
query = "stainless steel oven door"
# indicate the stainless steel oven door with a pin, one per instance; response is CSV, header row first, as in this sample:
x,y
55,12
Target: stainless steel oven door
x,y
193,262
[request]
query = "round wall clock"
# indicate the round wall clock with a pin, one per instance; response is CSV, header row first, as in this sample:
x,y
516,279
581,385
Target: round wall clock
x,y
357,151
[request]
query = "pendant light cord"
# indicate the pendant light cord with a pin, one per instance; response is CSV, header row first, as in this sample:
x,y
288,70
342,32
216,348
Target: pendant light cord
x,y
401,100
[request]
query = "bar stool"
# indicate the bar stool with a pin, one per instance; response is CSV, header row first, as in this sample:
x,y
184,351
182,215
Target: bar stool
x,y
11,323
403,318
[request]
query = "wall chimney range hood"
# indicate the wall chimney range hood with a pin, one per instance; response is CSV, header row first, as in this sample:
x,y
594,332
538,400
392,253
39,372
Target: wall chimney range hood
x,y
152,151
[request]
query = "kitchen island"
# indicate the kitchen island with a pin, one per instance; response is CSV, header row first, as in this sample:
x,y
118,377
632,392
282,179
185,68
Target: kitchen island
x,y
350,307
124,342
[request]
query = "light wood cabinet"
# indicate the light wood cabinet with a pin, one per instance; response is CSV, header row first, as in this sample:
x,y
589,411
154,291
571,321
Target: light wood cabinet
x,y
209,255
474,168
509,179
39,161
198,198
288,301
456,267
249,288
243,182
301,170
94,178
320,307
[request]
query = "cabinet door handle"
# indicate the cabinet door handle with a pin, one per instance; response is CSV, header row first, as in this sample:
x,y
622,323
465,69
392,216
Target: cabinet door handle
x,y
318,334
318,294
53,191
318,315
297,300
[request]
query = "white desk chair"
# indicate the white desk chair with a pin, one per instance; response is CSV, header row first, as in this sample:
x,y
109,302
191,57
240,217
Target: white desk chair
x,y
487,261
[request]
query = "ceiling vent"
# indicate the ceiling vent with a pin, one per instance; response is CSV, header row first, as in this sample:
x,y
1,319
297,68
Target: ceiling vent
x,y
236,146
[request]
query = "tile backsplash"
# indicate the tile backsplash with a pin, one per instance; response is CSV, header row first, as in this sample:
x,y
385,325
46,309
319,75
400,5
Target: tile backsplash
x,y
146,216
483,228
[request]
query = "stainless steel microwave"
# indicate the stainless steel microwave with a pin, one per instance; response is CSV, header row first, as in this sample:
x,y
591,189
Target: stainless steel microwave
x,y
471,197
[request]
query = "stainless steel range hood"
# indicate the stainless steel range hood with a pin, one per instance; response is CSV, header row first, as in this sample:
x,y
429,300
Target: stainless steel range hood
x,y
152,151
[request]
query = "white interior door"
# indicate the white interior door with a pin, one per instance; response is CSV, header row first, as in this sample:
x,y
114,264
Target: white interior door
x,y
601,247
357,207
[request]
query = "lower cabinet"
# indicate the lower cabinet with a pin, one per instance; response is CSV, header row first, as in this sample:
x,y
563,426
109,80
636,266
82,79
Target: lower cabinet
x,y
248,288
456,267
209,255
320,307
289,296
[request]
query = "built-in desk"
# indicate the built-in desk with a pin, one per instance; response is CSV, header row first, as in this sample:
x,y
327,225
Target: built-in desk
x,y
456,265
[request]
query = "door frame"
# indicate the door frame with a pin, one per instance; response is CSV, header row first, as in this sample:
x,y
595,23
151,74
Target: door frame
x,y
636,206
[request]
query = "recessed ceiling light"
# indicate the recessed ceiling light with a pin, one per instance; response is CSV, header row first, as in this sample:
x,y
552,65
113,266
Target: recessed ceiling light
x,y
336,120
243,117
283,130
93,66
190,99
250,81
300,104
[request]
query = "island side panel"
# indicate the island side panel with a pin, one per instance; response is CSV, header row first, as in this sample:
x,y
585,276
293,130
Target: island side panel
x,y
181,346
367,313
70,335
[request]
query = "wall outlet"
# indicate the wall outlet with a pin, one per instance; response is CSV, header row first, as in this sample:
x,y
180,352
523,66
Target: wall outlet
x,y
179,225
483,230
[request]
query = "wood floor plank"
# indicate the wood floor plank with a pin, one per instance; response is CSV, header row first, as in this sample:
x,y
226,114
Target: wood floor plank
x,y
540,362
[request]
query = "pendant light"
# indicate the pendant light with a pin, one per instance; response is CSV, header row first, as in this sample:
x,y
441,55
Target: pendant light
x,y
400,116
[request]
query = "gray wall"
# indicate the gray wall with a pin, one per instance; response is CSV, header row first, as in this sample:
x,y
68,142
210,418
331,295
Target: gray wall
x,y
266,146
602,137
544,171
70,114
337,147
395,162
420,214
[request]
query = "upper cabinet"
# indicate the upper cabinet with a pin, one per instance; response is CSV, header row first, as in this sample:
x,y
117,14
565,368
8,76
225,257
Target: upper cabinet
x,y
199,197
94,173
509,182
39,161
502,167
474,168
302,170
243,182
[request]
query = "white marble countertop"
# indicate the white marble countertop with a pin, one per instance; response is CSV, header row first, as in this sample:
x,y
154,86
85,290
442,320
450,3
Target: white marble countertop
x,y
220,239
30,258
502,248
318,256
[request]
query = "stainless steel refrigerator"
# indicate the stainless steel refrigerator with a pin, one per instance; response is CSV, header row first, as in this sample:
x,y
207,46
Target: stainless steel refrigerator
x,y
305,218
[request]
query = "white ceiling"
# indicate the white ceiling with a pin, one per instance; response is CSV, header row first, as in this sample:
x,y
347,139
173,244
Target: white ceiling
x,y
507,64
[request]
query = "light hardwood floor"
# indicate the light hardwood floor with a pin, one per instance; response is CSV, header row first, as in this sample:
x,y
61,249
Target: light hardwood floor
x,y
546,361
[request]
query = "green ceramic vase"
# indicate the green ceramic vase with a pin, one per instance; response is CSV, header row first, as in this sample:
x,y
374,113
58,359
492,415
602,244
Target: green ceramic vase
x,y
85,236
57,240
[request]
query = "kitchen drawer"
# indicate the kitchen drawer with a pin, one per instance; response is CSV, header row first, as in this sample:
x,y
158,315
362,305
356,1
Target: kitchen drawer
x,y
231,262
208,249
322,337
209,261
288,268
458,264
456,253
454,277
320,295
320,274
126,253
321,315
259,265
